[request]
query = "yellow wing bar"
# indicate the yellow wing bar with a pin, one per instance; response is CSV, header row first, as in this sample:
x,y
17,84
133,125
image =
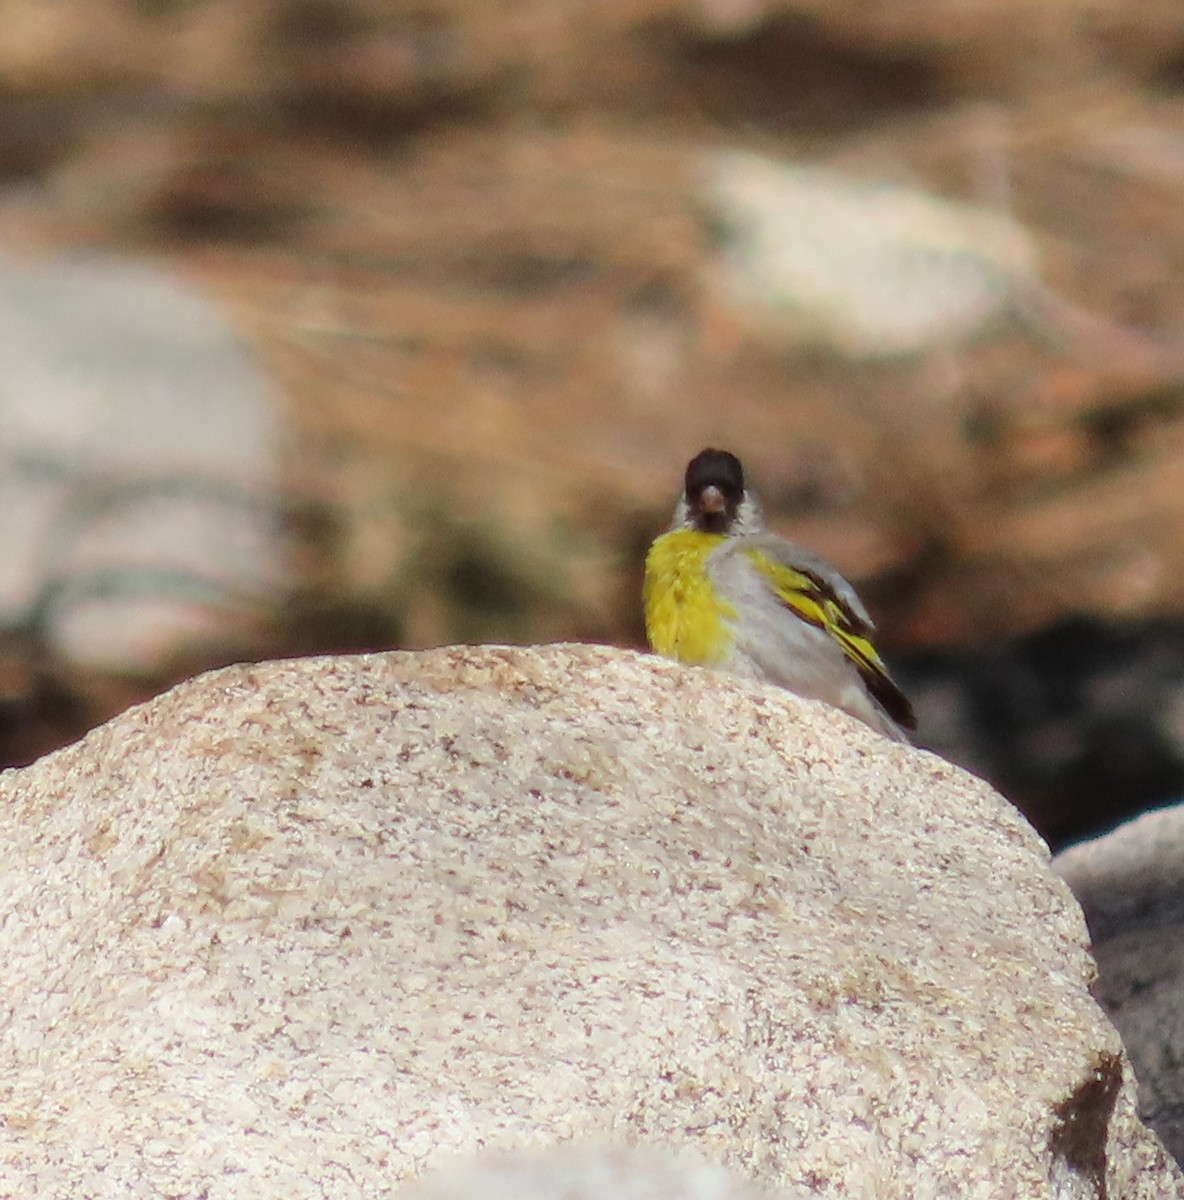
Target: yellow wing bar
x,y
815,601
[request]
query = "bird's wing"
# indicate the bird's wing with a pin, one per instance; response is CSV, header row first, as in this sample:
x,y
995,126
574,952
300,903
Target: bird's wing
x,y
814,591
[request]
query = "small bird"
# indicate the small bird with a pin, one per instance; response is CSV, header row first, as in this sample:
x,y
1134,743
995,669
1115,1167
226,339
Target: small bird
x,y
722,591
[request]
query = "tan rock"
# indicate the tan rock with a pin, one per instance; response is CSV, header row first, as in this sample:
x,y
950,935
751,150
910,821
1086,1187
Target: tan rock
x,y
306,929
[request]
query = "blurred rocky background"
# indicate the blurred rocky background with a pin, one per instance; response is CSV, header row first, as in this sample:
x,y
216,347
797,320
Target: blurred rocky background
x,y
347,324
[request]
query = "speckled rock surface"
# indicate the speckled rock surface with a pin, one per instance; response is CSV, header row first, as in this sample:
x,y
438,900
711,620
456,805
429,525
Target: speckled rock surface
x,y
1131,885
307,929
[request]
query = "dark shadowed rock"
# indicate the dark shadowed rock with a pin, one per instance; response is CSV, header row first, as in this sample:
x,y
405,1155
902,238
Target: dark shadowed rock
x,y
1131,886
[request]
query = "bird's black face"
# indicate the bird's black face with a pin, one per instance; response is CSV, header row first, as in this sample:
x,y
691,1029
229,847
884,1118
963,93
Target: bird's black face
x,y
714,490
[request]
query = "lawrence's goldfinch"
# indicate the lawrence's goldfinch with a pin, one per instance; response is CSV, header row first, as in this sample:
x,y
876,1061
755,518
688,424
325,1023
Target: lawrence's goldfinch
x,y
722,591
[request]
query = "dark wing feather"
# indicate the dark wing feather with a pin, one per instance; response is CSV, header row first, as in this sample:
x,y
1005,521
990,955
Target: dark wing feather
x,y
805,591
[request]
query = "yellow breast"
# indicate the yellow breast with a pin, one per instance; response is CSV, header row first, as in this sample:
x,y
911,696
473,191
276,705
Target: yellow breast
x,y
684,618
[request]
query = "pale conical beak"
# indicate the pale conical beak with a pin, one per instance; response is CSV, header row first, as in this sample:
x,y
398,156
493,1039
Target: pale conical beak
x,y
711,500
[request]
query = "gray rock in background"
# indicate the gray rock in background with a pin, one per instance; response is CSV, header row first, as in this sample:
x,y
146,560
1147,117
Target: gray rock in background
x,y
872,270
138,458
1131,885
